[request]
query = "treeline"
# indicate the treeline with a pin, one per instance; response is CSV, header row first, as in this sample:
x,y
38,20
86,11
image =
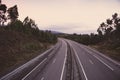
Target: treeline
x,y
109,31
84,38
29,28
108,34
9,21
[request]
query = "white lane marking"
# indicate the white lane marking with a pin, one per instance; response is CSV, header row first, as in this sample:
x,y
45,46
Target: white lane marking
x,y
103,62
104,56
54,61
19,69
80,64
91,61
34,69
61,77
50,54
42,78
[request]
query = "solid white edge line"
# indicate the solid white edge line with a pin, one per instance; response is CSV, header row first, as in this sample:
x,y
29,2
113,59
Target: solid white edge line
x,y
23,66
100,59
61,77
103,56
33,69
103,62
50,54
80,64
54,60
42,78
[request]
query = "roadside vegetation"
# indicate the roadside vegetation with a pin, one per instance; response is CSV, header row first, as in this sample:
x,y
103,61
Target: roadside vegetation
x,y
107,40
20,41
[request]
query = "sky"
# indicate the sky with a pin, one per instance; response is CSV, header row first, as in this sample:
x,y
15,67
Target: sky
x,y
68,16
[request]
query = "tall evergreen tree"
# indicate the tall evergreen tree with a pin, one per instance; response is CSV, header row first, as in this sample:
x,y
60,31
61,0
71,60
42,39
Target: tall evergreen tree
x,y
13,13
3,9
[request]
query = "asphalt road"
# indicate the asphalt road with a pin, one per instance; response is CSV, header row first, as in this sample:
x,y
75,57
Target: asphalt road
x,y
94,65
67,60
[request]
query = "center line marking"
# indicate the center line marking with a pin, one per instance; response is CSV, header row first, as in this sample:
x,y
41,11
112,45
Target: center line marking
x,y
91,61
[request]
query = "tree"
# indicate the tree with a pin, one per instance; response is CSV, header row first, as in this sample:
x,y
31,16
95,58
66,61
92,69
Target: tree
x,y
102,28
3,9
106,28
26,20
109,22
99,32
116,20
13,13
111,29
29,22
114,16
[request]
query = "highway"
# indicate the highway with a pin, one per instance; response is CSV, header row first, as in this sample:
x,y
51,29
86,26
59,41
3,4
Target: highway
x,y
67,60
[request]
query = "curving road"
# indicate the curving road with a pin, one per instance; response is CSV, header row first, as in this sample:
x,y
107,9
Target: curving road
x,y
67,60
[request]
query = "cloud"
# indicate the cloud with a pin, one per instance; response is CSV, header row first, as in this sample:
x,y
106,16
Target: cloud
x,y
67,15
71,28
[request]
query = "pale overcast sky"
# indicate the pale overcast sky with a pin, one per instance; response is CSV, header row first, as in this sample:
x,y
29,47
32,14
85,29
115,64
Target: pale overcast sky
x,y
69,16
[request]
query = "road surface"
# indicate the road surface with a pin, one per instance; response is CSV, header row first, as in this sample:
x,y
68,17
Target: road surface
x,y
67,60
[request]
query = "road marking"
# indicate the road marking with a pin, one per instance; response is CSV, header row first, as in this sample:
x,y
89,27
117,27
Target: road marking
x,y
54,61
91,61
103,62
104,56
34,69
61,77
80,64
50,54
42,78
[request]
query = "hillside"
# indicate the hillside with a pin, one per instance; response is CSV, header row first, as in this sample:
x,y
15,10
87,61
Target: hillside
x,y
18,45
20,41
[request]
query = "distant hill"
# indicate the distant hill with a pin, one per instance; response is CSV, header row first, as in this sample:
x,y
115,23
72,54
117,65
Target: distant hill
x,y
56,32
